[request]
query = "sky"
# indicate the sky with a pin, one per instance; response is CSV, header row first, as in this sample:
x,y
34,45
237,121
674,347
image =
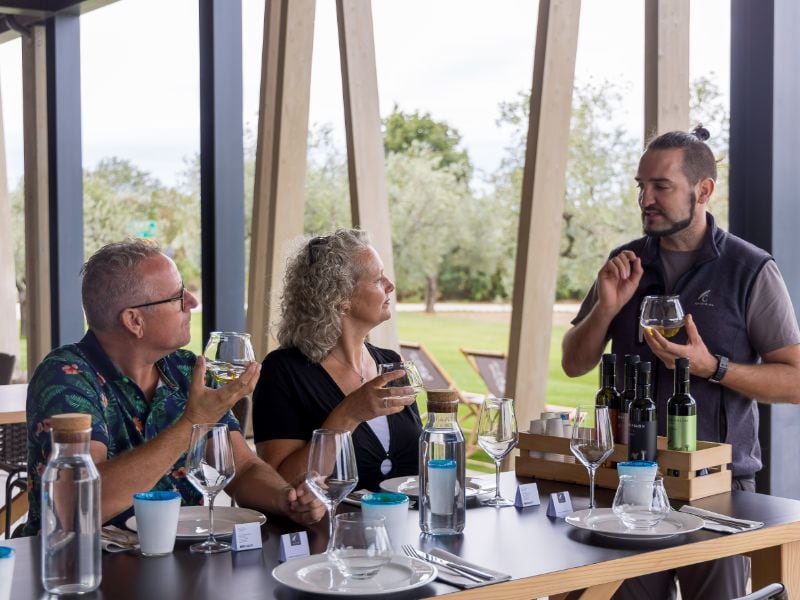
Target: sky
x,y
457,59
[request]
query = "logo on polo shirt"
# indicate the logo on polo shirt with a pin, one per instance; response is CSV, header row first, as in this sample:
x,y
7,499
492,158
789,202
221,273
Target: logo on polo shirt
x,y
704,299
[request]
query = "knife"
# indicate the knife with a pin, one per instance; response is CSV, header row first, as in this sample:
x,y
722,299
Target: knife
x,y
458,567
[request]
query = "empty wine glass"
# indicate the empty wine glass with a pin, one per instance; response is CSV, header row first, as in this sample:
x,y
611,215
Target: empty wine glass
x,y
332,471
662,313
411,379
592,445
209,467
227,355
497,435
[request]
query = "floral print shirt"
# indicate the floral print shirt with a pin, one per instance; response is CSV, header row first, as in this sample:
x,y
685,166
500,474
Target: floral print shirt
x,y
81,378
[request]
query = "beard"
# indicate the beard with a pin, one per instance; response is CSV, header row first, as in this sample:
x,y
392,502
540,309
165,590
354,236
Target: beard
x,y
673,225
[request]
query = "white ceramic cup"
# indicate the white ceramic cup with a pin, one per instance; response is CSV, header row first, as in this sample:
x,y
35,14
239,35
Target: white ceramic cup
x,y
554,427
442,485
6,571
156,521
537,426
392,507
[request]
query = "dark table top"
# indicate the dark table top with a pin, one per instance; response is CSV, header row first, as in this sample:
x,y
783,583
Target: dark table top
x,y
521,542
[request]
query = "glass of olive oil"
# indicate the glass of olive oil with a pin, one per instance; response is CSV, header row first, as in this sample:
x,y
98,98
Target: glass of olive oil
x,y
227,355
663,314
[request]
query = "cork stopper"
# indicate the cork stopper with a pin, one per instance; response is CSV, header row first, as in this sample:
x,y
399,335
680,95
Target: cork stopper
x,y
71,422
442,401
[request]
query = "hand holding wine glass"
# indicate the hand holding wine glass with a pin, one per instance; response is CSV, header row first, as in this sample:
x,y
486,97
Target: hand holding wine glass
x,y
497,435
411,379
227,355
593,444
663,314
209,467
332,471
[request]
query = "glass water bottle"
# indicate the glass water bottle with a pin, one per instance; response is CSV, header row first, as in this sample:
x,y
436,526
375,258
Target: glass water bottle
x,y
442,467
71,509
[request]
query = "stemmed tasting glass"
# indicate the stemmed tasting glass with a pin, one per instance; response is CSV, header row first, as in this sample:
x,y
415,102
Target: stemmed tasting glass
x,y
593,444
411,379
227,355
332,471
209,467
497,435
662,313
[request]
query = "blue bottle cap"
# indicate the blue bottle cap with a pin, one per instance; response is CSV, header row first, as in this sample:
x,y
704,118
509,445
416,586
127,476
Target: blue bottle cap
x,y
6,552
384,499
158,495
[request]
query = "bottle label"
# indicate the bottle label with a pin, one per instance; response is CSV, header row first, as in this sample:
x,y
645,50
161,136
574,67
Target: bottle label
x,y
682,433
642,443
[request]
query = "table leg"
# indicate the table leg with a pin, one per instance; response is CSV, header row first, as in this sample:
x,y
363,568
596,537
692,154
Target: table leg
x,y
778,564
604,591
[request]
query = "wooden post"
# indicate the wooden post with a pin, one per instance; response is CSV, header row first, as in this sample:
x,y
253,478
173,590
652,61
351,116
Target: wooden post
x,y
666,66
278,198
365,155
542,205
37,197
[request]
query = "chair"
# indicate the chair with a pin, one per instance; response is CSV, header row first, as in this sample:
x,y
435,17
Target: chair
x,y
13,448
435,377
491,366
774,591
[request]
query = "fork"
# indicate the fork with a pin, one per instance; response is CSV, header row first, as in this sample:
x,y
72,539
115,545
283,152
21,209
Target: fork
x,y
411,552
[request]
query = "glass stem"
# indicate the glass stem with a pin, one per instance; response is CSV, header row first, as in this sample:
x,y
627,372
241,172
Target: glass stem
x,y
211,537
497,479
331,514
591,485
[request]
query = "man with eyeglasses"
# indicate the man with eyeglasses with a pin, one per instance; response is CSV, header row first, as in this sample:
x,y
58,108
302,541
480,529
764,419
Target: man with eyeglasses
x,y
144,393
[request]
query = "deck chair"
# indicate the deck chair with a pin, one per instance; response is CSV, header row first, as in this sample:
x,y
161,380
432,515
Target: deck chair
x,y
491,366
434,377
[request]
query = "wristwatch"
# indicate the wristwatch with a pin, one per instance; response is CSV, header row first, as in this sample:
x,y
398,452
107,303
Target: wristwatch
x,y
722,368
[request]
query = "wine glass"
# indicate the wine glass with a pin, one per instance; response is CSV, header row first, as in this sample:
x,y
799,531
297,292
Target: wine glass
x,y
209,467
497,435
662,313
592,445
411,379
227,355
332,471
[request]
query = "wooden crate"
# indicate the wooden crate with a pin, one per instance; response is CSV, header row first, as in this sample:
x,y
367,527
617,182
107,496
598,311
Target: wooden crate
x,y
555,461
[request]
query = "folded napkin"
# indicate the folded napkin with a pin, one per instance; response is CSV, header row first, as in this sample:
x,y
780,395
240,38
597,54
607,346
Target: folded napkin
x,y
114,539
719,522
453,578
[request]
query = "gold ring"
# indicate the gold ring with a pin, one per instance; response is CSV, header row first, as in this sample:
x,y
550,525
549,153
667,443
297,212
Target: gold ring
x,y
386,403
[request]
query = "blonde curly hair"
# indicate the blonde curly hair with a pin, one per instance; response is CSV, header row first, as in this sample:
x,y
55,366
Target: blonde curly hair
x,y
320,279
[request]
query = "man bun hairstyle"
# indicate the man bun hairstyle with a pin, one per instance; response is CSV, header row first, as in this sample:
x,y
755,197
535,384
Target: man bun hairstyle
x,y
698,159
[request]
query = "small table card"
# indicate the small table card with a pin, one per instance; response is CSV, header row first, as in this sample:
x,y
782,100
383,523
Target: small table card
x,y
527,495
246,536
293,545
560,505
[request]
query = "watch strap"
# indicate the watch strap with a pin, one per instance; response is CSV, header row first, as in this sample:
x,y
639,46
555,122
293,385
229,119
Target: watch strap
x,y
722,368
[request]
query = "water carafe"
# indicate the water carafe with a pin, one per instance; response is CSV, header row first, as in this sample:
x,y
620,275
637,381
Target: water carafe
x,y
442,459
71,509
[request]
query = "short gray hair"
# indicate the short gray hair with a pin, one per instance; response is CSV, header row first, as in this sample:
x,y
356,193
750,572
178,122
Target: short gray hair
x,y
320,278
111,281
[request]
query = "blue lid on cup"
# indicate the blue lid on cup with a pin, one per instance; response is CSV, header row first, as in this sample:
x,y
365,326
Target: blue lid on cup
x,y
6,552
384,499
442,463
157,495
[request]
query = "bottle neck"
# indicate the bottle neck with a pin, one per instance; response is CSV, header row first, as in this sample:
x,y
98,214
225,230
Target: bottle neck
x,y
608,377
442,420
73,443
643,386
682,381
630,378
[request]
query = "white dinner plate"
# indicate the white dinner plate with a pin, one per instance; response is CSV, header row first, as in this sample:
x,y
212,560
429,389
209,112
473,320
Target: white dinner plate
x,y
317,575
410,486
193,521
603,521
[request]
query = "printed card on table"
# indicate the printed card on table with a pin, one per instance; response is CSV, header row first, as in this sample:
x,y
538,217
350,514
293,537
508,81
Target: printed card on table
x,y
560,505
246,536
527,495
293,545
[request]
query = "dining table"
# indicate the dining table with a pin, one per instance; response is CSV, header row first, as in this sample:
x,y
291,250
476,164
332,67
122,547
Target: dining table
x,y
544,556
12,403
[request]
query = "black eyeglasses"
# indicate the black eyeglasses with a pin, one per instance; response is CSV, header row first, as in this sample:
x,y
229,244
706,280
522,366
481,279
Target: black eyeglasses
x,y
181,297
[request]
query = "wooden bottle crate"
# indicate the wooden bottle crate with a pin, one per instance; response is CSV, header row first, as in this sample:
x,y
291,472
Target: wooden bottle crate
x,y
549,457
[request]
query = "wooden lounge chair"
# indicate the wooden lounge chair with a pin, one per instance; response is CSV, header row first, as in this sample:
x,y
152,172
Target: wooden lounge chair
x,y
491,366
434,377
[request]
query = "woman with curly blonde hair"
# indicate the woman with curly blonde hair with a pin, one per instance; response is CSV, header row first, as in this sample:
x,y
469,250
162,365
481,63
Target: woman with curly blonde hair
x,y
325,373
